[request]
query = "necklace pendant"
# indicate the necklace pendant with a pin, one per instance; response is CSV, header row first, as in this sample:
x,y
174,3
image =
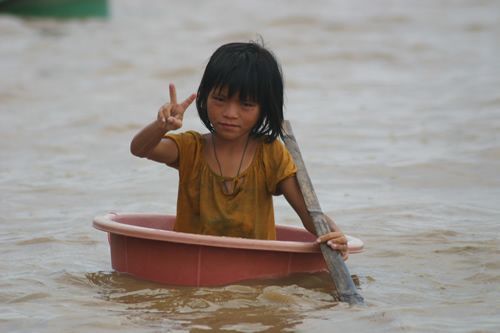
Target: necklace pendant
x,y
225,188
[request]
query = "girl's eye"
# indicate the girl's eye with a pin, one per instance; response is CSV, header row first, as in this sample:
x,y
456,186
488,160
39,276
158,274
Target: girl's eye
x,y
248,104
218,98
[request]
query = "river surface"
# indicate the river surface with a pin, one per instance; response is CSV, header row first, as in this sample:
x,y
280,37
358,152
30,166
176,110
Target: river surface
x,y
396,107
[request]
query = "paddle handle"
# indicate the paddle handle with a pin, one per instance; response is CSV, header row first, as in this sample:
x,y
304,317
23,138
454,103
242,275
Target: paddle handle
x,y
346,289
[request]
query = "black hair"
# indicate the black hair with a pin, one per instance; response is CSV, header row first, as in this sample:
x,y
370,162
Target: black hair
x,y
252,71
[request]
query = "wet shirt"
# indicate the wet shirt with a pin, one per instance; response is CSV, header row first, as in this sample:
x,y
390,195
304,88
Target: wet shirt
x,y
204,208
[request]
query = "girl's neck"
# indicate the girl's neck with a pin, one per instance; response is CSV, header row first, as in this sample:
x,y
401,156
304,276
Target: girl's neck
x,y
232,157
230,146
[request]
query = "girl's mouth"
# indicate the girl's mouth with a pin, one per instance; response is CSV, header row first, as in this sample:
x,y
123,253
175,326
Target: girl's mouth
x,y
227,125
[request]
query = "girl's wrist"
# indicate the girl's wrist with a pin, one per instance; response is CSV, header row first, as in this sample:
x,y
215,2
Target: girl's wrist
x,y
162,126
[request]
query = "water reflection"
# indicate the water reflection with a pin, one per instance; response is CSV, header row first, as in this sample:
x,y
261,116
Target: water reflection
x,y
252,306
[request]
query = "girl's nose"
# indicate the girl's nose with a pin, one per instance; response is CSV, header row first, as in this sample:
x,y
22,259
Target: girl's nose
x,y
231,110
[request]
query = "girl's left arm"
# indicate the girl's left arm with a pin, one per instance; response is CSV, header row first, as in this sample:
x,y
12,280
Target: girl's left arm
x,y
336,239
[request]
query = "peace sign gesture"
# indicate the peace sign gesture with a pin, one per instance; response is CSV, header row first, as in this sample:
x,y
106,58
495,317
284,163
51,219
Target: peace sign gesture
x,y
171,114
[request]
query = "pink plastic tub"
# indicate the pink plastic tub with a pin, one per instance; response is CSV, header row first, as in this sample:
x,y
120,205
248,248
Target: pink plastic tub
x,y
144,246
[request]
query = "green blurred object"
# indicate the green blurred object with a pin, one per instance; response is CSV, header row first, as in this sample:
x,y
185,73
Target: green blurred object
x,y
55,8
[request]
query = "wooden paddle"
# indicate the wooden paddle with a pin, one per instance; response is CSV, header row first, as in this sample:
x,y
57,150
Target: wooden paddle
x,y
346,290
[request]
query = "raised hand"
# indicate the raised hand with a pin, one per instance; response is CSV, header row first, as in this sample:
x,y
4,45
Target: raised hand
x,y
171,114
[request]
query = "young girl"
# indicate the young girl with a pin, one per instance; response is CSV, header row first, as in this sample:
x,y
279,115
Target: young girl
x,y
227,177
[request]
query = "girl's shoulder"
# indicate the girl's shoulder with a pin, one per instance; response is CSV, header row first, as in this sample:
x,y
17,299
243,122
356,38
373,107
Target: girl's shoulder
x,y
275,146
188,142
277,163
274,152
185,136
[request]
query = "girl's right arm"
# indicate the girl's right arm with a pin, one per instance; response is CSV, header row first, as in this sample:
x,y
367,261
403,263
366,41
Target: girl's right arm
x,y
149,141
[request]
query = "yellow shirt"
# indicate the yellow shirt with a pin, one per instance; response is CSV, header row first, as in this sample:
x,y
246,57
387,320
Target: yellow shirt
x,y
204,208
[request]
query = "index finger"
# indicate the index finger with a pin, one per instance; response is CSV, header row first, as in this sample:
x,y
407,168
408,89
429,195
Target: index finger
x,y
173,94
188,101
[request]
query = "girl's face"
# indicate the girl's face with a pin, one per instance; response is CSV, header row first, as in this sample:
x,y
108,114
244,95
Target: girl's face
x,y
231,117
